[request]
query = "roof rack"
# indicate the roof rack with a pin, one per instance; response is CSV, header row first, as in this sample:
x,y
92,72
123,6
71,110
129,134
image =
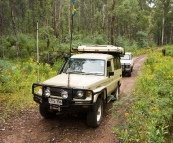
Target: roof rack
x,y
113,50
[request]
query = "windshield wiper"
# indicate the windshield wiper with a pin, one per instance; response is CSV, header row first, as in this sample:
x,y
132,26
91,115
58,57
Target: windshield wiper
x,y
96,73
73,72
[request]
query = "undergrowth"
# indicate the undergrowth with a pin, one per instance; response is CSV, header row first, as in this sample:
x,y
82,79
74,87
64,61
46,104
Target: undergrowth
x,y
149,114
16,81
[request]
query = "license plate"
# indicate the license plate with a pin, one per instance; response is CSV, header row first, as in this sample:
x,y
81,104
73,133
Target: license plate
x,y
55,101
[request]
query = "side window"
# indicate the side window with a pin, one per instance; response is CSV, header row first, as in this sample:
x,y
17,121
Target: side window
x,y
117,64
109,67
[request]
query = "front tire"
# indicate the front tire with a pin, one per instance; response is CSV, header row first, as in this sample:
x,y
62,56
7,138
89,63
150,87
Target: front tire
x,y
95,115
129,73
131,69
46,113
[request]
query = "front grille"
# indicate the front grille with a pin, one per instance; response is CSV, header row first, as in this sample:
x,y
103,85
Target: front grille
x,y
125,66
57,91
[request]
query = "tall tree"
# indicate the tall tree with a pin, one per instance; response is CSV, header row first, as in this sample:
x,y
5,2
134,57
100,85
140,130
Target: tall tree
x,y
14,27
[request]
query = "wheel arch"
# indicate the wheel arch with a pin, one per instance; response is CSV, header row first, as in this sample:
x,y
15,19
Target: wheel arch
x,y
101,94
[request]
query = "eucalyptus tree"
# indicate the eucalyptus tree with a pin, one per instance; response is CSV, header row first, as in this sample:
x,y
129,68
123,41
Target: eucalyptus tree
x,y
162,21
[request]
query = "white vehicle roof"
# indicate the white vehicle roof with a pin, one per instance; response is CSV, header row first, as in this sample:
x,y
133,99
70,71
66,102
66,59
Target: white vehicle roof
x,y
92,56
101,49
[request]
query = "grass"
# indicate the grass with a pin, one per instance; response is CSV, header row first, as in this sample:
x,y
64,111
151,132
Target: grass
x,y
149,116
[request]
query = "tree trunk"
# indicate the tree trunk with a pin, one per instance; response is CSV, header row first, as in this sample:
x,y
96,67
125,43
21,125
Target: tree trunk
x,y
69,18
163,24
15,31
91,18
103,17
59,14
54,18
112,23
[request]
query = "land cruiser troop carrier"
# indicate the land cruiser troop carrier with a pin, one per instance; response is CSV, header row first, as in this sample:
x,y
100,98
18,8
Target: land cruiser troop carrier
x,y
85,82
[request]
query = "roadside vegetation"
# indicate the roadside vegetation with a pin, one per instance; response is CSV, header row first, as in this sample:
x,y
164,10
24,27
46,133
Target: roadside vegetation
x,y
16,79
149,112
18,74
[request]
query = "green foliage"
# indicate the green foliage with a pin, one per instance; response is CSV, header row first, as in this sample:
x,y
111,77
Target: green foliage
x,y
142,39
100,40
16,80
151,109
168,50
132,46
10,40
27,43
121,41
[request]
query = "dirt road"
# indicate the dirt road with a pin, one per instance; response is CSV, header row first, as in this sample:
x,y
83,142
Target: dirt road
x,y
30,127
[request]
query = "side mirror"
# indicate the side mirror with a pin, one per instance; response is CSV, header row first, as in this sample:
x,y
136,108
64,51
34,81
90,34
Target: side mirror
x,y
66,56
111,73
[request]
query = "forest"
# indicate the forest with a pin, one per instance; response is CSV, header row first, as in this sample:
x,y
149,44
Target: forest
x,y
55,26
128,23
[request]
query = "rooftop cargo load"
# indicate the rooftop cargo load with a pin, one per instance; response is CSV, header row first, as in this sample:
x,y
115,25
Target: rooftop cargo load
x,y
107,49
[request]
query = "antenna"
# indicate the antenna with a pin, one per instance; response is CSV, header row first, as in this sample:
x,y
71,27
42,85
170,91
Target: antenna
x,y
72,14
38,78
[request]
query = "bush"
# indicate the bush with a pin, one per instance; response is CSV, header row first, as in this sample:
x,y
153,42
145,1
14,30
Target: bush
x,y
16,79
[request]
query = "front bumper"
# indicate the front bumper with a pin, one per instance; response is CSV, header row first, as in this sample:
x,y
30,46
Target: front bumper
x,y
126,68
69,103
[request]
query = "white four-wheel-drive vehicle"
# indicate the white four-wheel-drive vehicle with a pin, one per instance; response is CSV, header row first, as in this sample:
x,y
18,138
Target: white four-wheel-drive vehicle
x,y
86,81
127,63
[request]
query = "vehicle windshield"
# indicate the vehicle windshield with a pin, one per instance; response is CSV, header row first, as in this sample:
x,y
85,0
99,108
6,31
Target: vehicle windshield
x,y
85,66
126,57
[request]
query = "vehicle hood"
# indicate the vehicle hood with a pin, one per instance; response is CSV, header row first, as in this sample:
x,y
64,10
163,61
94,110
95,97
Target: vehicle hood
x,y
76,80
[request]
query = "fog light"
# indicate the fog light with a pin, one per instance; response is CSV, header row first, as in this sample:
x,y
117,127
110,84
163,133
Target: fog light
x,y
47,92
64,94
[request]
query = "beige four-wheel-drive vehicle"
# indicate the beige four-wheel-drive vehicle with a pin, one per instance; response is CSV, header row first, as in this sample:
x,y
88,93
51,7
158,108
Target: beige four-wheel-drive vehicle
x,y
85,82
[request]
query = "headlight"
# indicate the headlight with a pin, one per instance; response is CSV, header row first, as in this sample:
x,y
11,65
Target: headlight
x,y
127,66
64,94
79,94
47,92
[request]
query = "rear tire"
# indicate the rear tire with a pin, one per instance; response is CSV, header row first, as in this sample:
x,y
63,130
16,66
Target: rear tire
x,y
95,115
116,93
46,113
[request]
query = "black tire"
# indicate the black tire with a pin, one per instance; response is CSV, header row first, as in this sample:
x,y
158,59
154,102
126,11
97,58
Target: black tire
x,y
129,73
131,69
46,113
95,115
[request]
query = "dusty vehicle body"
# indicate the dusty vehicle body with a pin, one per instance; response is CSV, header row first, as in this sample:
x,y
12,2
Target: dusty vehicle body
x,y
127,63
85,82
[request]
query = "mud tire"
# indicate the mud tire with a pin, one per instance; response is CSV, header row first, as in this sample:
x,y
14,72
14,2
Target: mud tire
x,y
46,113
94,117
